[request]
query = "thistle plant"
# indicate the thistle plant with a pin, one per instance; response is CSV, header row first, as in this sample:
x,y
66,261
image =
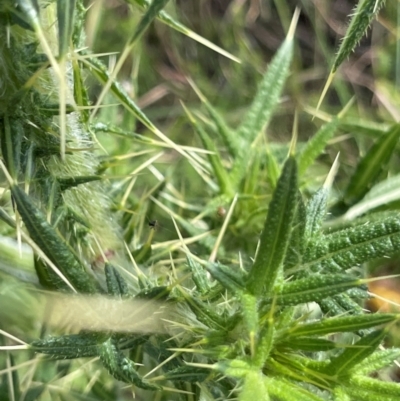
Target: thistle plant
x,y
283,320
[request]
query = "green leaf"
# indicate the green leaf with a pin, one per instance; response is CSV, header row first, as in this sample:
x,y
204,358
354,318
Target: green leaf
x,y
314,288
353,246
171,22
371,165
51,243
295,247
264,104
65,19
11,138
361,19
316,145
215,160
381,194
350,357
69,346
373,385
228,277
308,344
121,367
378,360
199,276
276,233
116,284
340,324
316,213
254,387
285,390
151,13
71,182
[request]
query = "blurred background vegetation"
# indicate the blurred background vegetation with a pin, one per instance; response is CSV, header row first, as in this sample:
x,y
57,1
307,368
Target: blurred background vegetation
x,y
156,76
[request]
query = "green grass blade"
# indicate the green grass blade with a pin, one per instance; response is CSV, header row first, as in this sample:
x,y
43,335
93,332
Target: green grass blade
x,y
361,19
65,20
43,234
340,325
316,145
371,165
276,233
215,159
353,246
381,194
151,13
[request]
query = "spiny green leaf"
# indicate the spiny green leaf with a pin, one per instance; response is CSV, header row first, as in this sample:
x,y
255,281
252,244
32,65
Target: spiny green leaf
x,y
371,165
378,360
71,182
265,102
285,390
361,19
360,394
188,374
199,276
314,288
254,387
51,244
340,324
350,247
121,367
276,233
228,277
296,244
69,346
65,19
316,213
316,145
116,284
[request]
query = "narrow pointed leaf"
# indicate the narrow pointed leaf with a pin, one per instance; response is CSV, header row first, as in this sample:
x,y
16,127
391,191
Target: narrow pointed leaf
x,y
229,278
381,194
371,165
295,248
199,276
350,357
151,13
341,324
116,284
361,19
375,386
347,248
314,288
215,160
11,138
378,360
285,390
65,19
264,104
315,146
308,344
121,367
51,243
276,233
254,387
316,213
70,346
